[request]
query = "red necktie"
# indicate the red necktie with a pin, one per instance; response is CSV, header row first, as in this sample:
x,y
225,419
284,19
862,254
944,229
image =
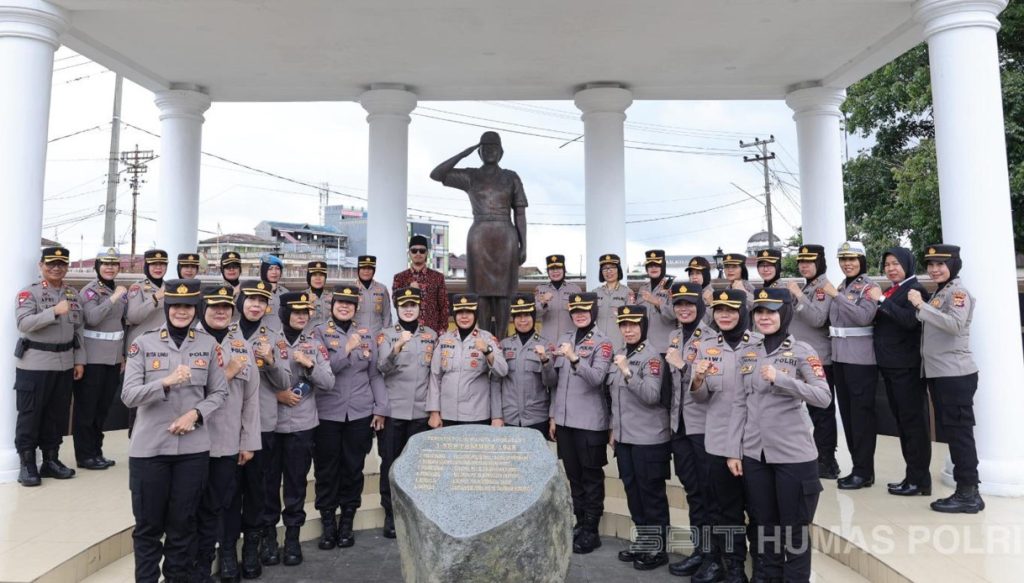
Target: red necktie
x,y
888,293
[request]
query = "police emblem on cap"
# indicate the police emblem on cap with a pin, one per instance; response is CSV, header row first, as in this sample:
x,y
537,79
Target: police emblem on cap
x,y
112,251
302,298
58,253
408,292
182,289
222,292
520,301
345,291
693,263
260,286
607,257
682,289
577,298
652,255
931,251
845,247
724,296
762,295
625,310
803,249
159,255
764,253
553,259
463,301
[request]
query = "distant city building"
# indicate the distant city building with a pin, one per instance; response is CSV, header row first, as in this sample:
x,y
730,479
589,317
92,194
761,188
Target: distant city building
x,y
759,242
250,247
299,243
351,222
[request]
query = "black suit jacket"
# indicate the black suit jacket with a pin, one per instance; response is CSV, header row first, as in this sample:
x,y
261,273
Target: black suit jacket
x,y
897,335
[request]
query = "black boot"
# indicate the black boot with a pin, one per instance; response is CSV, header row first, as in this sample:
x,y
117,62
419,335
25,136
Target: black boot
x,y
203,567
389,526
270,552
52,468
228,564
965,500
329,534
689,565
589,539
648,561
28,476
710,571
251,567
346,537
735,572
828,468
292,548
576,528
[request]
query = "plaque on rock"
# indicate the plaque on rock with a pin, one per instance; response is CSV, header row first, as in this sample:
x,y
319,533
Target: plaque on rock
x,y
478,503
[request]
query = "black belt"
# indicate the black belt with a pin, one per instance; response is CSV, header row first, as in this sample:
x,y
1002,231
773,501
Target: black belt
x,y
47,347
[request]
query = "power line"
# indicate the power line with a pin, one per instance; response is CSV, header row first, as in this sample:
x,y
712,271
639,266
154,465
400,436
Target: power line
x,y
73,134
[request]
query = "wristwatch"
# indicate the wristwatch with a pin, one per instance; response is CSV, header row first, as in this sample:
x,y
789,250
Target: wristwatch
x,y
488,350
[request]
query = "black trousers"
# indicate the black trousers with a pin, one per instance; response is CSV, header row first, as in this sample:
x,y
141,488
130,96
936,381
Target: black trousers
x,y
216,497
782,499
730,524
245,510
542,427
643,470
449,423
165,496
954,410
391,441
826,435
93,394
908,394
288,462
338,459
855,391
44,403
584,453
691,462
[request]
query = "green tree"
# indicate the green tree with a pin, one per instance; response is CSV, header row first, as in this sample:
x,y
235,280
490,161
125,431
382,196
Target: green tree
x,y
892,189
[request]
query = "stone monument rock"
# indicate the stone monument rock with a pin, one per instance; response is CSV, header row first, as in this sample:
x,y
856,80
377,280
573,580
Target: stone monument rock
x,y
477,503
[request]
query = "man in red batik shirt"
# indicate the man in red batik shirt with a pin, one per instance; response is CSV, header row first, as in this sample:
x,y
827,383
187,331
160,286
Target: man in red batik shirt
x,y
434,309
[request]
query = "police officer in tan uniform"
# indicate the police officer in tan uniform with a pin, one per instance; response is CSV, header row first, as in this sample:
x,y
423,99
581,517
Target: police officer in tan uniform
x,y
552,301
404,355
173,373
234,431
612,295
374,300
460,390
316,280
271,270
715,379
103,304
349,414
579,416
188,265
145,297
769,267
50,355
950,368
231,269
852,314
525,399
811,307
734,268
641,437
778,466
655,295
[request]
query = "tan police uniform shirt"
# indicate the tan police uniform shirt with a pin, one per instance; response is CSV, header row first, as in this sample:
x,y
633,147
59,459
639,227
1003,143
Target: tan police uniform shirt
x,y
638,417
553,316
38,323
374,310
608,302
579,397
852,308
694,414
722,384
810,318
525,399
145,312
235,425
303,416
661,320
104,324
406,374
946,332
460,378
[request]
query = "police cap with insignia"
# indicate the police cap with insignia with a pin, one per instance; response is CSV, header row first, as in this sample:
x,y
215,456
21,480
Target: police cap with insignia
x,y
810,252
523,304
698,263
58,254
316,267
230,258
408,295
730,298
584,301
634,314
770,255
181,291
255,287
685,292
464,302
367,261
155,256
734,259
108,255
654,257
772,298
297,301
609,259
851,250
942,253
219,294
347,293
188,259
556,261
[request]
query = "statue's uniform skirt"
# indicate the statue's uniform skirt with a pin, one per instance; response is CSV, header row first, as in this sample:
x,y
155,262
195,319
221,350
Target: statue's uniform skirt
x,y
493,256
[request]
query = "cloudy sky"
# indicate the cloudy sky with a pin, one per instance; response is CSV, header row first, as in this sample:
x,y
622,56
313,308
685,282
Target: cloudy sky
x,y
681,157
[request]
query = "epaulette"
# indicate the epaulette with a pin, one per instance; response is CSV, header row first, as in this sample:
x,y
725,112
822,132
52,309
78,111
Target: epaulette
x,y
233,326
787,343
696,333
746,337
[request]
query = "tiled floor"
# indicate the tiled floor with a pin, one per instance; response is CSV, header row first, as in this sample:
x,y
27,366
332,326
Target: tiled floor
x,y
67,531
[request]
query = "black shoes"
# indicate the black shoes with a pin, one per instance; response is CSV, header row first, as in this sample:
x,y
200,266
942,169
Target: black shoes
x,y
588,539
270,552
735,572
93,463
855,482
28,475
965,500
688,566
346,537
251,567
648,561
628,556
828,468
329,534
292,548
389,526
228,565
905,488
53,468
576,528
710,571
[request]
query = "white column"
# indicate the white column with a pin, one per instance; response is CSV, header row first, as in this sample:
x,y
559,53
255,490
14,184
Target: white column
x,y
819,139
29,34
181,137
975,196
388,107
604,113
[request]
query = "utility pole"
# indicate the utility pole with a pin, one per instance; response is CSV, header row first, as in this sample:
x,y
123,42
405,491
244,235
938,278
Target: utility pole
x,y
764,156
325,197
110,209
136,161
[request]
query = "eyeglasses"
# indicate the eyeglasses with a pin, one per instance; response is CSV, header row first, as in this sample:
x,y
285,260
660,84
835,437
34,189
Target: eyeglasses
x,y
56,265
418,251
